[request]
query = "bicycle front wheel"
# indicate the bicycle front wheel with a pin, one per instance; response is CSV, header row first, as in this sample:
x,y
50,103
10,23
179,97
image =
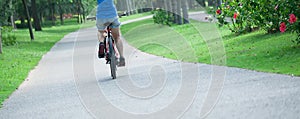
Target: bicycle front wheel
x,y
113,59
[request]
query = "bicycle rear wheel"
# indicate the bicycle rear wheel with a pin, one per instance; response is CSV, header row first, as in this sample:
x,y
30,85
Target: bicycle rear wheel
x,y
113,59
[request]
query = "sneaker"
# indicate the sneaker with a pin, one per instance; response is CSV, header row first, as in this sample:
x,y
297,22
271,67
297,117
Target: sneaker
x,y
101,50
121,62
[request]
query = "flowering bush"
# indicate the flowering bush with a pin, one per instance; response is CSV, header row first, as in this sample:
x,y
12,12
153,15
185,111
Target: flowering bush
x,y
221,17
272,15
294,25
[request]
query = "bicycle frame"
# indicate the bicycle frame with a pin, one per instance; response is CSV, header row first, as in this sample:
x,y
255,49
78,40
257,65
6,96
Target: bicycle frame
x,y
109,35
111,52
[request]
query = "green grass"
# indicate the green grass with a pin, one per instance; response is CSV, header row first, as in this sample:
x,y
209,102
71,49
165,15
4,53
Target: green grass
x,y
196,42
17,60
125,18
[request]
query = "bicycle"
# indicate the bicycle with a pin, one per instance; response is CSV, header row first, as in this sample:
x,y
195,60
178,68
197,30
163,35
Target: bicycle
x,y
111,52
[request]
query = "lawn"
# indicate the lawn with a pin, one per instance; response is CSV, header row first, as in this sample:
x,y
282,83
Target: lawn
x,y
17,60
195,42
125,18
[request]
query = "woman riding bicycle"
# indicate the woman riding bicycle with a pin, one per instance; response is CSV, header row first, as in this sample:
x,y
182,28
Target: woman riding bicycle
x,y
107,15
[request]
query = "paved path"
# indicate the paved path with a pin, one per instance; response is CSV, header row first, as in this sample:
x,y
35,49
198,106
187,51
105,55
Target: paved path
x,y
70,82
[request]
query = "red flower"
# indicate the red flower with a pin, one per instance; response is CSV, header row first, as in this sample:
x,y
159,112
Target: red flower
x,y
218,11
282,27
235,15
292,19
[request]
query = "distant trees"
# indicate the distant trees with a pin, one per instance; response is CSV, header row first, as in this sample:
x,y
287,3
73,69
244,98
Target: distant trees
x,y
5,13
36,19
176,11
41,11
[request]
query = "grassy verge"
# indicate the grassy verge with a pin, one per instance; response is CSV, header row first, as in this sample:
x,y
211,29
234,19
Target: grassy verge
x,y
256,51
17,60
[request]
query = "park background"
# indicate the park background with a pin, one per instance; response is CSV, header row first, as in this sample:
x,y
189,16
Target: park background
x,y
258,35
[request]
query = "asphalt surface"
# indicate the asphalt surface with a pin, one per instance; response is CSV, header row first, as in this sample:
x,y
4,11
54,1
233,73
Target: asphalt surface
x,y
70,82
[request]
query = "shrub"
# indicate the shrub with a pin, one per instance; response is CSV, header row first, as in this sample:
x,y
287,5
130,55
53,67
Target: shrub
x,y
8,36
162,17
269,15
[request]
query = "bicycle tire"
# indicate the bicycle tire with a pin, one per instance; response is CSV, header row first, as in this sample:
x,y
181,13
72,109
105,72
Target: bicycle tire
x,y
113,60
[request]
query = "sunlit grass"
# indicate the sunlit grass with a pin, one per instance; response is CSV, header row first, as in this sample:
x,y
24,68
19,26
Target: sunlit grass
x,y
255,51
125,18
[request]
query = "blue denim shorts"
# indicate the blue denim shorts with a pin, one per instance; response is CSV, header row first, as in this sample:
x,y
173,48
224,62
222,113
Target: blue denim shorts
x,y
102,23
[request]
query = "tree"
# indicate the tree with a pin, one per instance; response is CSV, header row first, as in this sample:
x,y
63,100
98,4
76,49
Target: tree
x,y
28,20
63,6
61,13
52,8
178,12
83,11
12,16
129,7
36,19
170,8
174,10
5,13
185,12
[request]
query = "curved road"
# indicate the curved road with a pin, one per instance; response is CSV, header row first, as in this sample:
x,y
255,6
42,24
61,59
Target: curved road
x,y
70,82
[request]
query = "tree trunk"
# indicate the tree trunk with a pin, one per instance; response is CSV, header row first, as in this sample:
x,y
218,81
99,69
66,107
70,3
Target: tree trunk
x,y
169,6
12,20
165,5
190,4
13,25
28,20
152,6
61,15
131,7
36,19
174,11
83,11
119,4
179,13
185,12
79,20
52,12
160,4
61,18
127,8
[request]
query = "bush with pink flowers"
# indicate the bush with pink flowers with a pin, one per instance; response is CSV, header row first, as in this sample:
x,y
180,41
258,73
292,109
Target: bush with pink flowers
x,y
270,15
